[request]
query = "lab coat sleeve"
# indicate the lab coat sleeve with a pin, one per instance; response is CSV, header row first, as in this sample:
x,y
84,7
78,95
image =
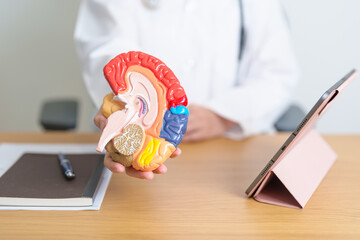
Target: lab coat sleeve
x,y
267,73
99,37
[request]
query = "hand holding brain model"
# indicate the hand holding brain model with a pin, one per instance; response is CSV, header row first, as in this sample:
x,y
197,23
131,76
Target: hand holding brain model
x,y
146,113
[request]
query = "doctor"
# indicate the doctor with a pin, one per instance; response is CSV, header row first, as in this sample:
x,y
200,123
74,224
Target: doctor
x,y
233,58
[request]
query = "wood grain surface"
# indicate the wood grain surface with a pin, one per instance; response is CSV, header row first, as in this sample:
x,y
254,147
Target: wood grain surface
x,y
201,197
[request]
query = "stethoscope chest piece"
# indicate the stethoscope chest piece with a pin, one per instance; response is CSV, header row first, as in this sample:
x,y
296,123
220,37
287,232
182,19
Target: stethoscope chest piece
x,y
151,4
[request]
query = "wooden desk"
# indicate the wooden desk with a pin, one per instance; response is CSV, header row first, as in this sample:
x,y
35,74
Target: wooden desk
x,y
202,197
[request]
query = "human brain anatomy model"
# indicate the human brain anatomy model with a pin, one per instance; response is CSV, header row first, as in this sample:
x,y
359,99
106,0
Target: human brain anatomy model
x,y
146,112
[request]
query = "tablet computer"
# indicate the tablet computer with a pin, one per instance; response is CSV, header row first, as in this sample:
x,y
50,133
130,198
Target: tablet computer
x,y
306,124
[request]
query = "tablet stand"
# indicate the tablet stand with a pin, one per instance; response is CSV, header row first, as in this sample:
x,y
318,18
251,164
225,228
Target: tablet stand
x,y
295,178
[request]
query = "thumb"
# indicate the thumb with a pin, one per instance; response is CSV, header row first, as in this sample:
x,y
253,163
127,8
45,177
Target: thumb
x,y
102,124
100,120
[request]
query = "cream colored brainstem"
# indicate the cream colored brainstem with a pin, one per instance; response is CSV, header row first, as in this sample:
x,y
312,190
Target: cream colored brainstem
x,y
130,140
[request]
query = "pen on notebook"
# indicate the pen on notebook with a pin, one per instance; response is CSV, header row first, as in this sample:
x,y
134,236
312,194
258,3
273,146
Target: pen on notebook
x,y
66,166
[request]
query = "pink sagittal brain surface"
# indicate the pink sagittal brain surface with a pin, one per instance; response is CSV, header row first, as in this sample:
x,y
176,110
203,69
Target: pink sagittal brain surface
x,y
146,112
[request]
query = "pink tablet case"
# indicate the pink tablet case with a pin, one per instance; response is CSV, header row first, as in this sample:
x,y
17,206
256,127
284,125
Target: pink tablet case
x,y
295,178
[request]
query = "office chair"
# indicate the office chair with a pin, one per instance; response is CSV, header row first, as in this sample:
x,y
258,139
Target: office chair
x,y
290,119
59,115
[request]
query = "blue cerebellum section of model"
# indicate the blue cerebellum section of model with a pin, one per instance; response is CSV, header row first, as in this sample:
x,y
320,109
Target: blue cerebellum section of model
x,y
174,124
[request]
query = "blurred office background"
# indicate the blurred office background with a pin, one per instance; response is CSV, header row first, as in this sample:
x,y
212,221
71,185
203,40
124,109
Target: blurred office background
x,y
38,61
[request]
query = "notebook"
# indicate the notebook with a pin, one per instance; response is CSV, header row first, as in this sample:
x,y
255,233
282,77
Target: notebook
x,y
36,179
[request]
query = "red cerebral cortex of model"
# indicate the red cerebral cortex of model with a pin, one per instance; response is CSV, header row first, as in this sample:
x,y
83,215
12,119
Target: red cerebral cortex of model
x,y
146,113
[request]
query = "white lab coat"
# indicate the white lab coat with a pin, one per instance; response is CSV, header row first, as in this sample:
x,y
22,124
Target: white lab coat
x,y
199,41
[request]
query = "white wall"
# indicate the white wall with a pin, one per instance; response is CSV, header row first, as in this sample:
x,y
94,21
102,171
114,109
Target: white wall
x,y
38,59
326,36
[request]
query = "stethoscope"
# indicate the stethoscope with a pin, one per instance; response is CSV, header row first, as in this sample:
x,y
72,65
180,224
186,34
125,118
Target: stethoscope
x,y
153,4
